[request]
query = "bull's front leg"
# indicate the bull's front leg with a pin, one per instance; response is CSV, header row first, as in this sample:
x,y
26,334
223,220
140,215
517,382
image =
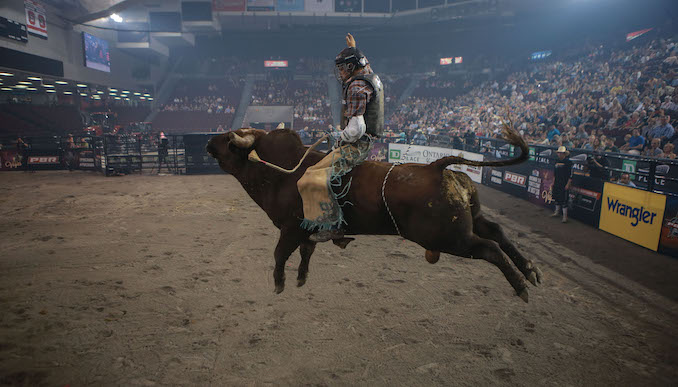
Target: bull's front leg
x,y
288,242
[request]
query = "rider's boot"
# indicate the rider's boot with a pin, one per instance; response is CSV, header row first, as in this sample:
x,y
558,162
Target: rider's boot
x,y
326,235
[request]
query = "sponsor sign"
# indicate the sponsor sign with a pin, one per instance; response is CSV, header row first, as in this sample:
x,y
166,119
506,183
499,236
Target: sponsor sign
x,y
290,5
36,18
495,176
318,5
668,241
514,178
539,185
228,5
378,152
632,214
458,59
403,153
275,63
43,160
260,5
636,34
630,167
10,160
445,61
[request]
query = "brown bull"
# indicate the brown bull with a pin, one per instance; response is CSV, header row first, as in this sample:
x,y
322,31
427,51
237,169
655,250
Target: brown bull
x,y
434,207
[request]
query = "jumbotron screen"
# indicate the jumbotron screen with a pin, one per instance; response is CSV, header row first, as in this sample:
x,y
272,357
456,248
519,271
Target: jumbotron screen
x,y
97,55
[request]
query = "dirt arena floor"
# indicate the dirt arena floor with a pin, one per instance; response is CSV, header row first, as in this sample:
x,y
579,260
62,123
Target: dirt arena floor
x,y
167,280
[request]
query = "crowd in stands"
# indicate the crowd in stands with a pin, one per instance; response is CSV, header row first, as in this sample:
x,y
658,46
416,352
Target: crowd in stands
x,y
613,100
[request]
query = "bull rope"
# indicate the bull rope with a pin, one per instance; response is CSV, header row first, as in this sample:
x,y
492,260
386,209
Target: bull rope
x,y
253,156
383,187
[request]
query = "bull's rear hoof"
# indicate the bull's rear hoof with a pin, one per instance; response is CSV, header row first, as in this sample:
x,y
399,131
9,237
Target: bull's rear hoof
x,y
342,242
532,278
432,256
279,288
524,295
301,282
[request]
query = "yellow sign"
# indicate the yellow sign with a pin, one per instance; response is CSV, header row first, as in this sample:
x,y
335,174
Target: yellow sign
x,y
632,214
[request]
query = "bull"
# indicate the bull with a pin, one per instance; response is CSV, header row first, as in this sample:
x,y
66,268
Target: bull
x,y
436,208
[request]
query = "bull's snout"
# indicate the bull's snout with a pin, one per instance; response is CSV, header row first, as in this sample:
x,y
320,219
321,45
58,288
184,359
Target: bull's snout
x,y
210,148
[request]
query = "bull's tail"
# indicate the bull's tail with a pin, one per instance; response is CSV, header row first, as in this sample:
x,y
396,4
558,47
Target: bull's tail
x,y
509,134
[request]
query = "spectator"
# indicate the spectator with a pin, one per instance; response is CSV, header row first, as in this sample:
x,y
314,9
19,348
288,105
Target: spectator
x,y
625,179
636,142
419,138
663,131
654,150
668,151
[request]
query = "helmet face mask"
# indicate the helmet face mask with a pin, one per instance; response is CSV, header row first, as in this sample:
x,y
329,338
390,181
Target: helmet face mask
x,y
344,71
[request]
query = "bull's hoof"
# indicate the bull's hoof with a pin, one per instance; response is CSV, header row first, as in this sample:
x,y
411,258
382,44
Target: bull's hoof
x,y
342,242
524,295
432,256
279,288
301,282
540,275
532,278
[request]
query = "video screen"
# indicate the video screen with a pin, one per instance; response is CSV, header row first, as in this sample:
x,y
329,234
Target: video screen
x,y
97,55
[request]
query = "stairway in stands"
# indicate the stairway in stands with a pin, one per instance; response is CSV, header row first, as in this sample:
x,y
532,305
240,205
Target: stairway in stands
x,y
245,99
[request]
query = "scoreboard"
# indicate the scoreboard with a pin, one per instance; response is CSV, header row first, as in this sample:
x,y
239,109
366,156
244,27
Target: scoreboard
x,y
13,30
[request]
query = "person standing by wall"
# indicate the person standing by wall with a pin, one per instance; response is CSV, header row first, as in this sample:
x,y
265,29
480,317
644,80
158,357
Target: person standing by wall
x,y
562,182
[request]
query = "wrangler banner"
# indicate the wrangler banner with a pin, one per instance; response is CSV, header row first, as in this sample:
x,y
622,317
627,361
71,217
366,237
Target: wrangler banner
x,y
632,214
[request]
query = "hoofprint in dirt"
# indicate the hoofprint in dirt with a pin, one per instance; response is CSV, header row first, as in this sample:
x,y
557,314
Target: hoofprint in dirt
x,y
143,280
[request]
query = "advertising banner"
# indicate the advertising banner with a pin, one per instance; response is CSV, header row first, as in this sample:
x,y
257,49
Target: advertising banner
x,y
318,6
290,5
403,153
36,18
586,196
276,63
668,241
348,5
228,5
10,160
260,5
378,152
539,184
632,214
445,61
637,34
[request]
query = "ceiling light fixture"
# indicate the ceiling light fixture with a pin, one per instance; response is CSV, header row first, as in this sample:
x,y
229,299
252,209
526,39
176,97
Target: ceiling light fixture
x,y
48,86
61,82
67,92
50,91
7,74
34,78
25,83
116,18
81,85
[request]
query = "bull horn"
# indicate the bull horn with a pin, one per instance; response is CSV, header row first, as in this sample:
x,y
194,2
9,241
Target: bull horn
x,y
281,125
242,142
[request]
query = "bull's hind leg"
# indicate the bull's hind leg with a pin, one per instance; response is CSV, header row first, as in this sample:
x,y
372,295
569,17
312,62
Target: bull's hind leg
x,y
306,249
489,250
491,230
288,242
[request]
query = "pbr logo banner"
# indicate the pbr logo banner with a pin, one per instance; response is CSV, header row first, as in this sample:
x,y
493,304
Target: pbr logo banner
x,y
632,214
403,153
36,18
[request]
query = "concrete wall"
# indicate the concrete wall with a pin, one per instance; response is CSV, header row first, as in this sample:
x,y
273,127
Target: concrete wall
x,y
65,44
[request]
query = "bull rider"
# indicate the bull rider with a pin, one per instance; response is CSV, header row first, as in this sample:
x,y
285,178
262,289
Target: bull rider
x,y
362,122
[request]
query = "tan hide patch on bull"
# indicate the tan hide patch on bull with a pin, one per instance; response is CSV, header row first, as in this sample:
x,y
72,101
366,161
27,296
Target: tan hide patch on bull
x,y
457,189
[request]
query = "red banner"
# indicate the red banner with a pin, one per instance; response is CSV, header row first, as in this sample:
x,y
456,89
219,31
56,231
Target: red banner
x,y
275,63
36,18
636,34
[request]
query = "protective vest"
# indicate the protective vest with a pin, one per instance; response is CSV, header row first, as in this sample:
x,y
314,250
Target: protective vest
x,y
374,111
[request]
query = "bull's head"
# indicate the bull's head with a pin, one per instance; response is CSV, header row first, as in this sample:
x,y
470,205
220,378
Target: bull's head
x,y
231,149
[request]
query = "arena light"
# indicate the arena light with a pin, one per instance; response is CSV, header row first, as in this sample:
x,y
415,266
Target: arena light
x,y
125,91
83,95
61,82
142,97
149,98
6,89
118,98
116,18
81,85
6,74
112,89
50,91
99,92
147,95
48,86
137,93
25,83
67,92
20,86
34,78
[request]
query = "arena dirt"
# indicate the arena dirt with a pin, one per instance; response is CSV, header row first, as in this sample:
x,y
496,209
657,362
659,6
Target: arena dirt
x,y
152,280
